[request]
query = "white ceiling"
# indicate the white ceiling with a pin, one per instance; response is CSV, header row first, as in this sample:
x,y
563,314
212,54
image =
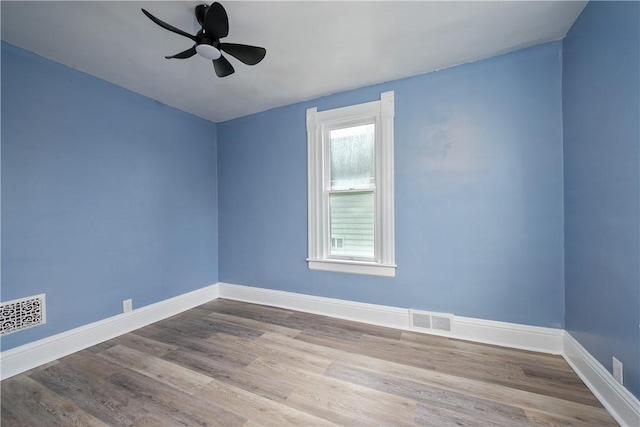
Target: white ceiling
x,y
313,48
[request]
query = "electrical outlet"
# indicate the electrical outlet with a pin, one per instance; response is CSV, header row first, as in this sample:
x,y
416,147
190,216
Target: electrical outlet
x,y
127,305
617,371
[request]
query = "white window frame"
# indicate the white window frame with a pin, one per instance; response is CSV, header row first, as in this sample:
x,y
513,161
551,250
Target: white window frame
x,y
319,124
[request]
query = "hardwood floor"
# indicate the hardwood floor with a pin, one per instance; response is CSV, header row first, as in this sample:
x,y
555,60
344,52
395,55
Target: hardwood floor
x,y
228,363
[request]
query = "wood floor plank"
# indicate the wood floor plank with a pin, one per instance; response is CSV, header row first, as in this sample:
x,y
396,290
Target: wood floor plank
x,y
319,325
260,410
150,330
575,420
477,388
167,372
352,405
344,403
155,420
463,364
503,354
272,387
106,402
144,344
266,351
232,363
203,327
25,402
263,410
428,415
213,367
176,409
434,399
174,406
553,375
456,401
101,346
255,324
405,353
202,347
494,370
10,419
91,365
356,327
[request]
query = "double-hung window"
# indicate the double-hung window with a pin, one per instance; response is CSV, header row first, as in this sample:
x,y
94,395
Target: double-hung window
x,y
350,162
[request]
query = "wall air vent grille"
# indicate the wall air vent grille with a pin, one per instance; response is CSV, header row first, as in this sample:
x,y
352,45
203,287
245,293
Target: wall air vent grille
x,y
431,322
22,313
421,320
441,323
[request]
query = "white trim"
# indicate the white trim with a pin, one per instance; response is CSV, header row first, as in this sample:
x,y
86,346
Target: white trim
x,y
352,267
314,172
28,356
385,182
319,124
534,338
619,401
350,310
513,335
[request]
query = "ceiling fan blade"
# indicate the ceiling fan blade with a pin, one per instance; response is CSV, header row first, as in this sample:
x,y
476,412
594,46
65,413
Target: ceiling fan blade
x,y
222,67
216,22
167,26
250,55
201,10
184,55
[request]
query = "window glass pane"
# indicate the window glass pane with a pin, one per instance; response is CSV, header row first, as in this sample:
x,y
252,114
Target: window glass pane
x,y
352,162
351,221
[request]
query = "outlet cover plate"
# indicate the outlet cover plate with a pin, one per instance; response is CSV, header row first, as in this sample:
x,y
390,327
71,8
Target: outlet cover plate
x,y
617,371
127,305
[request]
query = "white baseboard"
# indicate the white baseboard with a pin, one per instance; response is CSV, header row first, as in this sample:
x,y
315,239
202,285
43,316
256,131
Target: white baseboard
x,y
357,311
513,335
29,356
546,340
620,403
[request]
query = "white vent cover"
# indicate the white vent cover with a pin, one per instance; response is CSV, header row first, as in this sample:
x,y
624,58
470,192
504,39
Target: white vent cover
x,y
431,322
22,314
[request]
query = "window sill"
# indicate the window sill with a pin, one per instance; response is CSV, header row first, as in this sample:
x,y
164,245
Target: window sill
x,y
353,267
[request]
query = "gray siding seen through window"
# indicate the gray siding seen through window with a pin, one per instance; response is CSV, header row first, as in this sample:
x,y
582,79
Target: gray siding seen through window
x,y
352,224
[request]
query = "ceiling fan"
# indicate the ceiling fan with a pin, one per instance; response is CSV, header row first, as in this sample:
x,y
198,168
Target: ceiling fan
x,y
215,25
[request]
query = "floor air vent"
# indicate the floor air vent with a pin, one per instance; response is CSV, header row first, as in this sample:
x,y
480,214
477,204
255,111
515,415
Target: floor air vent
x,y
431,322
21,314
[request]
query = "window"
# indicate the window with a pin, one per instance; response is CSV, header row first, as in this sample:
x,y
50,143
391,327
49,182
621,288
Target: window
x,y
351,223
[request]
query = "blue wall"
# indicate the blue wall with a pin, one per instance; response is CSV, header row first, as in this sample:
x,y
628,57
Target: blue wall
x,y
479,218
106,195
601,106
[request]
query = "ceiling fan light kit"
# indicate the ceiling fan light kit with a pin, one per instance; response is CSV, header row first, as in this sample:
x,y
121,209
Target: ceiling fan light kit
x,y
215,25
208,51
